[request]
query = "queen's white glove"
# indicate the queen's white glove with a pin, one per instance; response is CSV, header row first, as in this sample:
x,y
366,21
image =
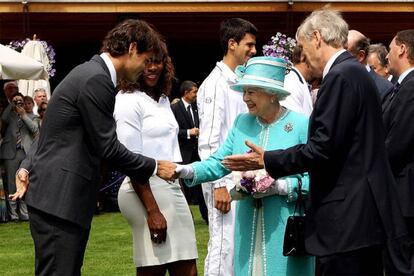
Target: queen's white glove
x,y
184,171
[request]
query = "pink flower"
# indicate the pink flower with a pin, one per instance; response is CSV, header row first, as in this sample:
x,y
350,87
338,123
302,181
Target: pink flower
x,y
248,174
264,184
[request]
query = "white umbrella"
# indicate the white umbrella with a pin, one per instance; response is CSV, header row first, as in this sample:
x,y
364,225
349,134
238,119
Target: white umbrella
x,y
35,49
14,66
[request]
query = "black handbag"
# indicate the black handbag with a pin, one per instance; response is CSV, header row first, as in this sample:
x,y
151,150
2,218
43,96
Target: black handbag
x,y
294,239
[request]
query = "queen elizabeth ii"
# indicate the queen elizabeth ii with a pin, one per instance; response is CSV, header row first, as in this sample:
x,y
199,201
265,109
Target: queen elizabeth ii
x,y
262,214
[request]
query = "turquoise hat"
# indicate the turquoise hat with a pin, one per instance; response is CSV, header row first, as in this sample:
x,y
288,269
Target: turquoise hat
x,y
267,73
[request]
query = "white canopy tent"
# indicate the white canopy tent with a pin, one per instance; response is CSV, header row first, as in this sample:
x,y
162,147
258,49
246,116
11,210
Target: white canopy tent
x,y
15,66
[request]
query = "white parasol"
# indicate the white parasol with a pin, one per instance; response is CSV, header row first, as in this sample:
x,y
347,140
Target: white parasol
x,y
35,49
14,65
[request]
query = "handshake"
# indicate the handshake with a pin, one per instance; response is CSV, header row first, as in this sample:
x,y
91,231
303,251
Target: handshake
x,y
170,171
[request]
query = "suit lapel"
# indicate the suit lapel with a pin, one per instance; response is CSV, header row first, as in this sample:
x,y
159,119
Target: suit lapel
x,y
195,113
389,100
184,112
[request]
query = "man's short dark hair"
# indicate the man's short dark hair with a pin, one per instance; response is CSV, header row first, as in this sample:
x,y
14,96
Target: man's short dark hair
x,y
381,51
118,40
234,28
406,37
186,86
297,54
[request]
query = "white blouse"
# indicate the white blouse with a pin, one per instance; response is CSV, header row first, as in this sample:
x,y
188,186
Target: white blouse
x,y
147,127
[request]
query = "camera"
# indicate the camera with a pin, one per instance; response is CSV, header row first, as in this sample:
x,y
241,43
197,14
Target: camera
x,y
18,103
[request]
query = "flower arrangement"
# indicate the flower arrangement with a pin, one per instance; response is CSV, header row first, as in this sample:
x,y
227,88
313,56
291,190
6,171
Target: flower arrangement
x,y
253,182
280,46
18,45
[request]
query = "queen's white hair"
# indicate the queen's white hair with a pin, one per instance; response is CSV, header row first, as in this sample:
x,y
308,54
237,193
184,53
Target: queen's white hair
x,y
329,23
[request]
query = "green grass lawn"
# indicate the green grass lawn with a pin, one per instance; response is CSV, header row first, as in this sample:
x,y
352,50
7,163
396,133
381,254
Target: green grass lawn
x,y
109,250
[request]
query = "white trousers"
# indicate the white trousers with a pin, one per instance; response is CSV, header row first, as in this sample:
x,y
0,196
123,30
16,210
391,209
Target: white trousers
x,y
219,259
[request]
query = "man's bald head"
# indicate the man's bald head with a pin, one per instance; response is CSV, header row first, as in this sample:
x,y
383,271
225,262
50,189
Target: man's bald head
x,y
358,45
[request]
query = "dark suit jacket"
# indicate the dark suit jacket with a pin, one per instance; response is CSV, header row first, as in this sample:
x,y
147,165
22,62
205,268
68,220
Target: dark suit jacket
x,y
188,147
78,133
352,195
398,114
382,84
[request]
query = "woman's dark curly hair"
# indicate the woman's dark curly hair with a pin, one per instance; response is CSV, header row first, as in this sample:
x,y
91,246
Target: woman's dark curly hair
x,y
164,83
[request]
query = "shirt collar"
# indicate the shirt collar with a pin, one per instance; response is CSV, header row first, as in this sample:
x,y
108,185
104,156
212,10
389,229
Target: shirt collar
x,y
403,75
110,66
227,72
330,62
185,103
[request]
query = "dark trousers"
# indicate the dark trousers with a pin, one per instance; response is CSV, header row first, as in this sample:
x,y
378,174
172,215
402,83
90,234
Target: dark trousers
x,y
365,261
59,244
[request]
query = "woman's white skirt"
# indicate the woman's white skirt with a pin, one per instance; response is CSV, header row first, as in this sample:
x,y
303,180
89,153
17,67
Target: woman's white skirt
x,y
181,242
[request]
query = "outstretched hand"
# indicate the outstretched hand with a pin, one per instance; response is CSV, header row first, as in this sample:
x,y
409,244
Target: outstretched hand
x,y
166,170
252,160
22,183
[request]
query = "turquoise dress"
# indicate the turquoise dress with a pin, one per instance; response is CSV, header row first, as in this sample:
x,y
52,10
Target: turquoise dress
x,y
259,231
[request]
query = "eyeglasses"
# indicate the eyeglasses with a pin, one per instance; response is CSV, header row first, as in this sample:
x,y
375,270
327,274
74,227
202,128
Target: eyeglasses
x,y
41,110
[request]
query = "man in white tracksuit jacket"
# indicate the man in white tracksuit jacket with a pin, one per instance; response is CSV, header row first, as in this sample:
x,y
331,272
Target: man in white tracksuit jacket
x,y
218,107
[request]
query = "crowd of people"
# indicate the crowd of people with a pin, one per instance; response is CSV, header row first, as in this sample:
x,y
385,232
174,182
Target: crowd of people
x,y
19,128
257,135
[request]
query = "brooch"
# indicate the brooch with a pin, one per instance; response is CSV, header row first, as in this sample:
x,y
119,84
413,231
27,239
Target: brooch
x,y
288,127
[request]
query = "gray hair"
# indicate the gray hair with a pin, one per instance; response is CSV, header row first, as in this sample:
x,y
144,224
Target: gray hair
x,y
7,83
40,89
381,51
329,23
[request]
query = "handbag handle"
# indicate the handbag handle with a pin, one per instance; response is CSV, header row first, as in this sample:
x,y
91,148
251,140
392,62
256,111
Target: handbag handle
x,y
299,200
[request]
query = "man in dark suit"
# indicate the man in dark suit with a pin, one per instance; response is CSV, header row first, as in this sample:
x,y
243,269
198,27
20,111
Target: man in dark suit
x,y
186,114
358,46
78,134
352,205
398,113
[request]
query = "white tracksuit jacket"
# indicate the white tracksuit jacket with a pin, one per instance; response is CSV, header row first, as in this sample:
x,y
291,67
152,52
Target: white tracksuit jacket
x,y
218,107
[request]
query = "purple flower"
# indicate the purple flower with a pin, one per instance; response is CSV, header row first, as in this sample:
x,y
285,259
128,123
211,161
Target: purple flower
x,y
247,184
280,46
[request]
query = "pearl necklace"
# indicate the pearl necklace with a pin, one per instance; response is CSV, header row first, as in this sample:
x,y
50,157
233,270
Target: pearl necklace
x,y
264,133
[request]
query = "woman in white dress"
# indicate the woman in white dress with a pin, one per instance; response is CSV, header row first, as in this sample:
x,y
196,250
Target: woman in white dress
x,y
161,221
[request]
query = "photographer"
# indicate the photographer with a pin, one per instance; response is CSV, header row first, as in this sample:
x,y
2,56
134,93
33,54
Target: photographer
x,y
18,132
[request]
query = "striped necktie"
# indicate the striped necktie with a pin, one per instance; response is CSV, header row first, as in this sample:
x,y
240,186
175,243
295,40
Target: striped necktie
x,y
18,134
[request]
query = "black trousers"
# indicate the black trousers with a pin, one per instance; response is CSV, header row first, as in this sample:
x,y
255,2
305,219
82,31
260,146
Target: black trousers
x,y
365,261
59,244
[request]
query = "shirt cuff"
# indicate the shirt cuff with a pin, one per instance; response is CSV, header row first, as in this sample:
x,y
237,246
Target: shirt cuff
x,y
22,169
156,167
219,184
188,134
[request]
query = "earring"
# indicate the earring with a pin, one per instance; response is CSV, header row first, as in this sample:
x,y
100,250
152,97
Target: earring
x,y
272,100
